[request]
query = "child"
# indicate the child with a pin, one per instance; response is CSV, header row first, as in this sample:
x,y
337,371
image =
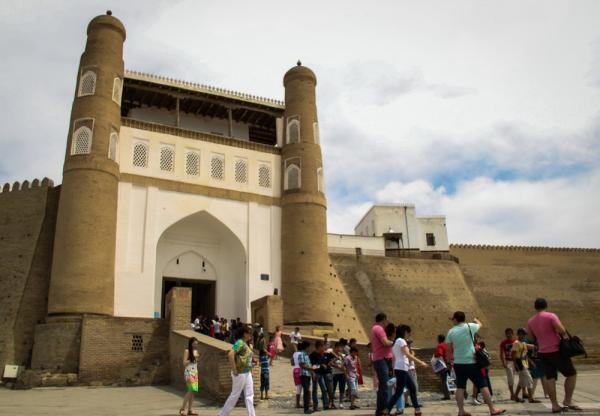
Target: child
x,y
519,353
264,375
350,363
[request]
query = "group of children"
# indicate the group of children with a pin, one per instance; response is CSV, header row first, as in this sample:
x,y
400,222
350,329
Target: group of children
x,y
330,370
520,358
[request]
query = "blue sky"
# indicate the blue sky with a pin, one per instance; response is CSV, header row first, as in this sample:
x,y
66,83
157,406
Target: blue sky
x,y
486,112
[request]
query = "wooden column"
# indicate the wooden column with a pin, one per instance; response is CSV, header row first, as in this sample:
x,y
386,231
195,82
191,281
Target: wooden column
x,y
230,116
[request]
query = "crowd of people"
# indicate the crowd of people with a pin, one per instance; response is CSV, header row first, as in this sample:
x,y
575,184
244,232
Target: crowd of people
x,y
330,373
534,356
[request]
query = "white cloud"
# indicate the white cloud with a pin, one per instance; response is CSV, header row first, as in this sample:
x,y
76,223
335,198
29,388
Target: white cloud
x,y
410,94
554,212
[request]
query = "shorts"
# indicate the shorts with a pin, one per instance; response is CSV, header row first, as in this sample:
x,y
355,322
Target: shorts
x,y
296,374
471,372
537,370
510,373
525,380
555,362
353,386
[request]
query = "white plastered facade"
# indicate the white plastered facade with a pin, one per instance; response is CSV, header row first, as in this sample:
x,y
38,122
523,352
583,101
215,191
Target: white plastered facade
x,y
166,233
400,219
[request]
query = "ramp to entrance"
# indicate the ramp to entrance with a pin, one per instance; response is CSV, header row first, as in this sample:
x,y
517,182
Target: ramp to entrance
x,y
214,371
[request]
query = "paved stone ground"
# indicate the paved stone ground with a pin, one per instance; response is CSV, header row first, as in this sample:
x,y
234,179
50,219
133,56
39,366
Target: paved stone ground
x,y
164,401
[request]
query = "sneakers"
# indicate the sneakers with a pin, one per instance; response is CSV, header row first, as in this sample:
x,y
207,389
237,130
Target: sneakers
x,y
475,402
341,406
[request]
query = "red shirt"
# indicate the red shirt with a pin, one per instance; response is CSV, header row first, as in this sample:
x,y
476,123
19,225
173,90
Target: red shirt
x,y
506,347
442,351
379,350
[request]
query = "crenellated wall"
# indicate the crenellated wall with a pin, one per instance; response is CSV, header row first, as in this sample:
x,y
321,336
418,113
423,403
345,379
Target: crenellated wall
x,y
27,222
506,280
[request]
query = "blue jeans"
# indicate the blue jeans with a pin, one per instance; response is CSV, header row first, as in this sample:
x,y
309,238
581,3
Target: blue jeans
x,y
383,374
321,381
403,379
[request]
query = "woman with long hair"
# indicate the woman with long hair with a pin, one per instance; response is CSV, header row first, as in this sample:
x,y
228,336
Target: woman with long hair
x,y
190,359
402,357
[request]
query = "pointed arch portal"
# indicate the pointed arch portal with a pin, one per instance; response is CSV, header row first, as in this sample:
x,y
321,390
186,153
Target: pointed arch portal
x,y
202,253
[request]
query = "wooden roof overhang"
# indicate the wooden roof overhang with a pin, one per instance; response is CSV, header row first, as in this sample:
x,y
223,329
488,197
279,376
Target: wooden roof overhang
x,y
142,93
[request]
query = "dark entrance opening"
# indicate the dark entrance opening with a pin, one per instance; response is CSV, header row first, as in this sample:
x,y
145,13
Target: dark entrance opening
x,y
203,295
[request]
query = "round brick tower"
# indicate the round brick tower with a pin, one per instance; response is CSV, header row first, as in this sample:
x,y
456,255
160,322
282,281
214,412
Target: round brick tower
x,y
305,261
82,279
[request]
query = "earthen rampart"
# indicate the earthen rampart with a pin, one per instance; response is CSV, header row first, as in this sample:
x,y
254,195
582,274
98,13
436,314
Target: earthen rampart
x,y
505,280
27,222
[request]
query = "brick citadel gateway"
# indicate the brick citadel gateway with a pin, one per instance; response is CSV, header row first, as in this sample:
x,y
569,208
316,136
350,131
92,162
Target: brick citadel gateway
x,y
181,199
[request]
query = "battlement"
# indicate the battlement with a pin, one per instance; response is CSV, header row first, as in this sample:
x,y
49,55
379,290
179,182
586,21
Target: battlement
x,y
521,248
25,185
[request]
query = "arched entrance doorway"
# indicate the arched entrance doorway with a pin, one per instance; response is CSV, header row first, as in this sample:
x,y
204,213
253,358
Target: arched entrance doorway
x,y
202,253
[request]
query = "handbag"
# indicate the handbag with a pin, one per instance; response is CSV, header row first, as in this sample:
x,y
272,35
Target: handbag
x,y
482,357
571,346
437,364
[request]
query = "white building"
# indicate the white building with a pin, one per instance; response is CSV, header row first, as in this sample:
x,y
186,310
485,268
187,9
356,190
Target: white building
x,y
387,228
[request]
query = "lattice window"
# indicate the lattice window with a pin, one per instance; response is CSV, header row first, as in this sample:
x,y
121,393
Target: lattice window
x,y
167,158
81,141
320,182
241,171
217,167
192,163
87,84
117,90
293,131
137,343
113,145
316,133
140,155
264,175
292,177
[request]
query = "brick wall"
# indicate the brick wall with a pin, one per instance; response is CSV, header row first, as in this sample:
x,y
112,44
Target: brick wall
x,y
130,351
268,311
56,345
27,222
506,280
214,370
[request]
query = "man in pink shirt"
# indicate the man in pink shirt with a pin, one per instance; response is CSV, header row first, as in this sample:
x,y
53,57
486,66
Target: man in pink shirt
x,y
546,328
381,352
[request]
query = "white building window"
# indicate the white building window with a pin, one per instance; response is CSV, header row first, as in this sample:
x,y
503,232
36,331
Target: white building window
x,y
167,158
292,177
140,155
293,131
264,175
316,133
217,167
241,171
320,181
117,90
87,84
192,163
81,141
113,146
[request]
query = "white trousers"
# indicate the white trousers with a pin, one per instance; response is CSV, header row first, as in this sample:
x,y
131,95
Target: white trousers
x,y
241,382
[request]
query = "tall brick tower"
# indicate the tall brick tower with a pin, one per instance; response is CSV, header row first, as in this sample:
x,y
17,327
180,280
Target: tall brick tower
x,y
82,279
305,261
